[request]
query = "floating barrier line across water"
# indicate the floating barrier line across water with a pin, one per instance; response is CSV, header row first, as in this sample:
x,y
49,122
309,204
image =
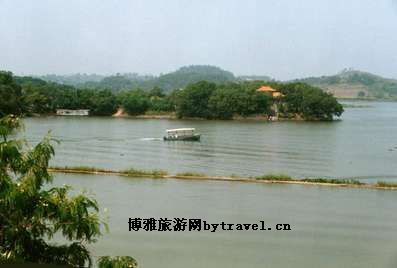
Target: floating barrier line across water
x,y
269,179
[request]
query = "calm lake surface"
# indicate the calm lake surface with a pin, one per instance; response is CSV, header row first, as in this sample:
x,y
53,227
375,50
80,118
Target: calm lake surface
x,y
341,227
362,145
331,227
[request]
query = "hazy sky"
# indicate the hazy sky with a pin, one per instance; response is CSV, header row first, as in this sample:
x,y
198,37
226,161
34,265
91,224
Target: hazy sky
x,y
281,38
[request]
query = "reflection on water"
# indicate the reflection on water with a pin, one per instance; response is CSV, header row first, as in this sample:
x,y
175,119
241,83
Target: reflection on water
x,y
363,144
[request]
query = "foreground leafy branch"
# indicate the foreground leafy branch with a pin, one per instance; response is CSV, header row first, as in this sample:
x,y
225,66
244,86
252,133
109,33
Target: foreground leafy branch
x,y
31,214
117,262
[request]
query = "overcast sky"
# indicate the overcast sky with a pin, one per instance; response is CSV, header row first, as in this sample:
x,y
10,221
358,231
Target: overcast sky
x,y
281,38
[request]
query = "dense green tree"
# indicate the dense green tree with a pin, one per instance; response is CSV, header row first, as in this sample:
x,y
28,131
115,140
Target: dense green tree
x,y
43,97
222,103
10,95
102,102
156,92
249,102
117,262
134,102
238,99
262,103
309,102
36,101
31,212
173,98
193,100
159,104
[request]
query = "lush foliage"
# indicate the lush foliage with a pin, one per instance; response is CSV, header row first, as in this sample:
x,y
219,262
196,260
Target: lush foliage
x,y
223,101
117,262
31,212
41,97
309,102
134,102
10,95
38,96
233,99
193,101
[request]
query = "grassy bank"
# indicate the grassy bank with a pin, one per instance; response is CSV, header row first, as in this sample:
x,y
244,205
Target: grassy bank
x,y
128,172
190,174
268,178
386,184
144,173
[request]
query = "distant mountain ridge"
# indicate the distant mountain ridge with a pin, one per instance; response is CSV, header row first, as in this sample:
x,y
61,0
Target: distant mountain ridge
x,y
177,79
73,79
351,83
348,83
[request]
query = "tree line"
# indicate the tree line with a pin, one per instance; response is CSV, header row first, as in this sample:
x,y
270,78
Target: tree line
x,y
203,99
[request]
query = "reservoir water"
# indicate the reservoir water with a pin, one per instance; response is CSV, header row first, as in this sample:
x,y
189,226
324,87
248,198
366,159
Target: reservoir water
x,y
331,227
341,227
362,145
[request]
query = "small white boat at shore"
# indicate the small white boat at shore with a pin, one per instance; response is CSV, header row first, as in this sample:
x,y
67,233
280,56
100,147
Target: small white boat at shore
x,y
182,134
69,112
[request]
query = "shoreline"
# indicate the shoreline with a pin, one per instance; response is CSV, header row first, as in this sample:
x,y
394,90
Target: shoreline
x,y
172,116
268,179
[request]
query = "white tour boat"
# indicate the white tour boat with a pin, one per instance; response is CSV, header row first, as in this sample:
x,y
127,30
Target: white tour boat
x,y
182,134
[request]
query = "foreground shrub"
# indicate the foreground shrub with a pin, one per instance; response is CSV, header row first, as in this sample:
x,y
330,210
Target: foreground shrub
x,y
117,262
31,212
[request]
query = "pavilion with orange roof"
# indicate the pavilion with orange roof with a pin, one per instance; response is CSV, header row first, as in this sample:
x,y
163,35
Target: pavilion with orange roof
x,y
272,91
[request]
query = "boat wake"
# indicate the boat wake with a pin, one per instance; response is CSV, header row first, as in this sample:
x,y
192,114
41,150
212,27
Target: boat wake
x,y
151,139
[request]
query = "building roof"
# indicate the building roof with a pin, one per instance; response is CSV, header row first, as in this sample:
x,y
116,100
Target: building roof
x,y
266,89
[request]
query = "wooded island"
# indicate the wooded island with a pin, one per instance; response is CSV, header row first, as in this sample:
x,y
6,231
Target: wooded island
x,y
201,99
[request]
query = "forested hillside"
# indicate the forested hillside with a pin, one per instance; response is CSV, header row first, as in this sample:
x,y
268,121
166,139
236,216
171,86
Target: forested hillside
x,y
177,79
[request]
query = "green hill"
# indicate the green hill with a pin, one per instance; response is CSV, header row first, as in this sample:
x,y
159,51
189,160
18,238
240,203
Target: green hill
x,y
177,79
191,74
356,84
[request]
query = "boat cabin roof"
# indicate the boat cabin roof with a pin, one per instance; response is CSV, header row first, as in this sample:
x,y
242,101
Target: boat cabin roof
x,y
181,130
